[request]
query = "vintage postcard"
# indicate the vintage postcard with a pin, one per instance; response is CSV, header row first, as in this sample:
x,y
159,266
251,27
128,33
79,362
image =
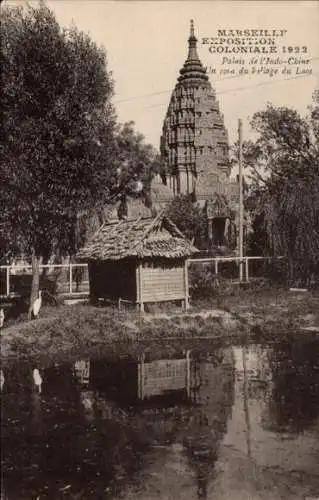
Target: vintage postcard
x,y
159,242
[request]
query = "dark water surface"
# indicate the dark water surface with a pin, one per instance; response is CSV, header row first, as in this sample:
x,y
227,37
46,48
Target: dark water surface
x,y
225,423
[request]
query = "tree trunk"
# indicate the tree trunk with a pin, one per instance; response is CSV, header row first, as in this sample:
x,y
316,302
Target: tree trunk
x,y
35,281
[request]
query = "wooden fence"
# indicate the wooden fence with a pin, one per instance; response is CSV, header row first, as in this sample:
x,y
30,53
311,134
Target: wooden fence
x,y
72,279
229,267
65,279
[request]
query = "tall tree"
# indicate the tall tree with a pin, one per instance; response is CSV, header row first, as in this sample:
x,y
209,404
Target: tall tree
x,y
285,188
135,162
135,157
58,130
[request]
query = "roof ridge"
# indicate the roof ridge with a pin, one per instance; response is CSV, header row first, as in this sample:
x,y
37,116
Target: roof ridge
x,y
116,225
124,237
133,226
148,229
175,228
97,231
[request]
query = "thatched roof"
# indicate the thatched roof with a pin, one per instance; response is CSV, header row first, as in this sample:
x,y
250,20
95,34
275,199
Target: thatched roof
x,y
143,237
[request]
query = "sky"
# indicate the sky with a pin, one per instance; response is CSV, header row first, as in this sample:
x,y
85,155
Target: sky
x,y
146,44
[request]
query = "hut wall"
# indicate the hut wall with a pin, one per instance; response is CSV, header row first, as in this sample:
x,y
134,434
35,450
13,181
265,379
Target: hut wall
x,y
113,280
161,281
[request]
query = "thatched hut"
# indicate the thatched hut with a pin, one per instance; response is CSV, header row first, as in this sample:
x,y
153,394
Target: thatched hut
x,y
141,260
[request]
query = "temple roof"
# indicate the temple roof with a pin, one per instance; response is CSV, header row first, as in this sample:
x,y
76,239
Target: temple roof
x,y
193,71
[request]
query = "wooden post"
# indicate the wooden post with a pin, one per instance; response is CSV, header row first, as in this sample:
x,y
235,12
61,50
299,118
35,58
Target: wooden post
x,y
141,286
241,201
141,376
216,266
137,285
139,380
8,280
188,374
246,403
186,285
70,282
246,269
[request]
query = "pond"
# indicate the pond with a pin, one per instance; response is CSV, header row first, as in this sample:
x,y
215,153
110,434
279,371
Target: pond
x,y
239,422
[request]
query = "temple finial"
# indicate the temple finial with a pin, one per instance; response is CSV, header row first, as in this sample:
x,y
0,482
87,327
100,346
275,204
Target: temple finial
x,y
192,31
193,68
192,44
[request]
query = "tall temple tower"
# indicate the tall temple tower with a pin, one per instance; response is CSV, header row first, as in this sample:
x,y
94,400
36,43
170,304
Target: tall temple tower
x,y
194,141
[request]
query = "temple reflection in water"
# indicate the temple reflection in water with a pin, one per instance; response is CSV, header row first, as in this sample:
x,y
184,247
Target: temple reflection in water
x,y
202,385
188,427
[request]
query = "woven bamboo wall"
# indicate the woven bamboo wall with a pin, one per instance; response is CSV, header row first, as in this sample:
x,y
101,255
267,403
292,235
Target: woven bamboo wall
x,y
163,283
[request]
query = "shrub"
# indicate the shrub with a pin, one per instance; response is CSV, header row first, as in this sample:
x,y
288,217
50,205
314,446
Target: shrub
x,y
203,280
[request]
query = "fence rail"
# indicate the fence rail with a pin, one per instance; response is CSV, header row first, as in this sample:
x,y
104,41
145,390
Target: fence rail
x,y
68,279
72,279
229,267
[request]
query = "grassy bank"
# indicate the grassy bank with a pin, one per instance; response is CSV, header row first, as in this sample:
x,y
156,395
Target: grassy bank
x,y
70,332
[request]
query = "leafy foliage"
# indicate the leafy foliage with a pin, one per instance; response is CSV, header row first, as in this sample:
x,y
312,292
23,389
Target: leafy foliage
x,y
134,164
135,158
189,218
63,155
58,127
284,192
136,161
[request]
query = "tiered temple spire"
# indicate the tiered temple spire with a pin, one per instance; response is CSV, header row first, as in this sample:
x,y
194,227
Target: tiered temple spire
x,y
194,148
194,142
193,69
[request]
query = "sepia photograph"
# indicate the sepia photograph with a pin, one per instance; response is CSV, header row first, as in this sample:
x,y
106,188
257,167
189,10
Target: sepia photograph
x,y
159,250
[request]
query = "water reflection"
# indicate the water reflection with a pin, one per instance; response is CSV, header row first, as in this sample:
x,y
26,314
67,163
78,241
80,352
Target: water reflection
x,y
213,393
178,427
37,380
2,379
294,402
82,371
